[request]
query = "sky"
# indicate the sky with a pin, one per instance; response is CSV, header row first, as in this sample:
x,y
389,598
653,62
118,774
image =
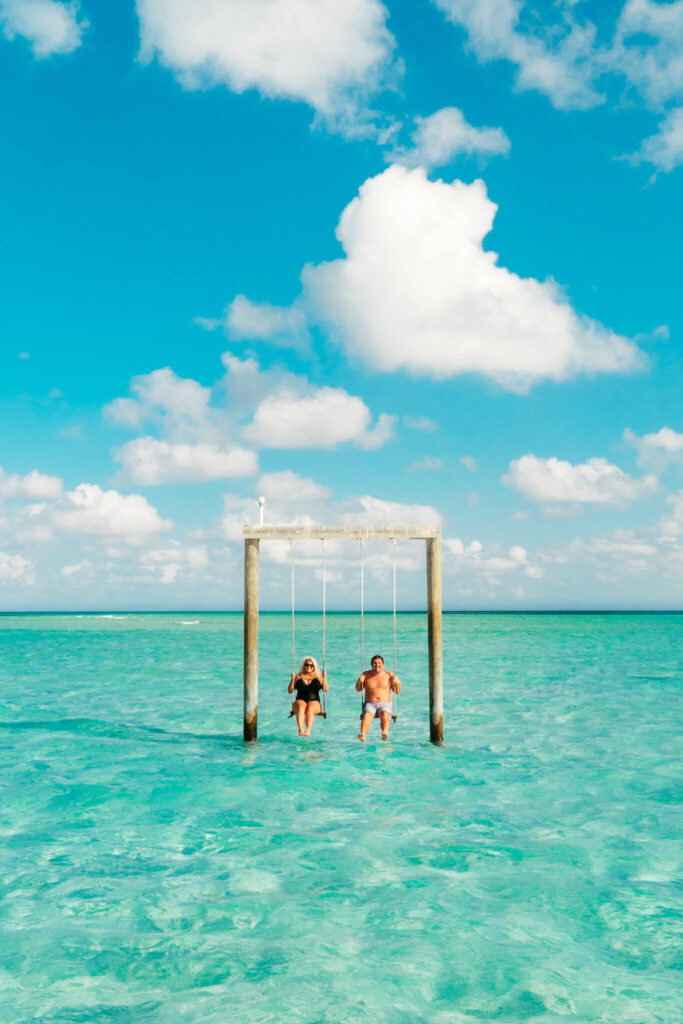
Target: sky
x,y
384,263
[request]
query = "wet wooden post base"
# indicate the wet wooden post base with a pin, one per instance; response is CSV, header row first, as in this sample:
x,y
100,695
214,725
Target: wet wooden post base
x,y
252,536
251,553
434,639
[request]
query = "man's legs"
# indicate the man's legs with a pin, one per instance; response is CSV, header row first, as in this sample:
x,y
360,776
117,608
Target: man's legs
x,y
365,724
385,721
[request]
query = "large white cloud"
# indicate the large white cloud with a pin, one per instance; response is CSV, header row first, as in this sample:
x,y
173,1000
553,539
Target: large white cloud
x,y
445,134
317,51
30,486
417,291
91,511
316,418
49,26
597,481
147,460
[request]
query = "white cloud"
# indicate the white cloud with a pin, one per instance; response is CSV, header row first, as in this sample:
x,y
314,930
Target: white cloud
x,y
560,59
426,464
269,408
161,392
167,563
50,27
82,570
596,481
418,292
664,150
281,326
473,498
286,486
32,486
16,569
469,462
310,417
369,510
422,423
149,461
657,450
648,46
90,510
474,560
444,135
322,52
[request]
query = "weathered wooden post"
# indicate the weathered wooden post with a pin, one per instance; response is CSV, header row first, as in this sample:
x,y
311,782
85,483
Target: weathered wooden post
x,y
251,554
434,639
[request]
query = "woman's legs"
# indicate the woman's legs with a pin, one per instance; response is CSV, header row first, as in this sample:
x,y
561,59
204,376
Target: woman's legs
x,y
312,709
300,708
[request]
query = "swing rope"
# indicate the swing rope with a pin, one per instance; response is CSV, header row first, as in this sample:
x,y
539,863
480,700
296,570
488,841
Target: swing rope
x,y
362,603
394,695
324,713
291,558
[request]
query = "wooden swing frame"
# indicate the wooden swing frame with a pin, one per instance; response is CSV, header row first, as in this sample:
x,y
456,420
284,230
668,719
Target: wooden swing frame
x,y
253,535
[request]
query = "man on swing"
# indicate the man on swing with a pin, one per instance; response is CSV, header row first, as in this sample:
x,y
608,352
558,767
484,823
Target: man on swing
x,y
378,684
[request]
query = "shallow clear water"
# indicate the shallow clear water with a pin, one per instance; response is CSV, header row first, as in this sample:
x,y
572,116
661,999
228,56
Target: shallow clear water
x,y
153,868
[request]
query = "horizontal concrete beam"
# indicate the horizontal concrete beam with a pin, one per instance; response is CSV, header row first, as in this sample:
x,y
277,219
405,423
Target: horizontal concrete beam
x,y
341,532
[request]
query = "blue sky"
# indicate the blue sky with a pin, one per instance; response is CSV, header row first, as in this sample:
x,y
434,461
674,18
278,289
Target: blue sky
x,y
378,262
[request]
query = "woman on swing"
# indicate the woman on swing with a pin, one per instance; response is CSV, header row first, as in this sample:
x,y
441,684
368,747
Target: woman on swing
x,y
308,683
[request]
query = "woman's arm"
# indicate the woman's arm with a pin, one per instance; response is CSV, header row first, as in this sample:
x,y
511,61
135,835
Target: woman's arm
x,y
292,680
324,679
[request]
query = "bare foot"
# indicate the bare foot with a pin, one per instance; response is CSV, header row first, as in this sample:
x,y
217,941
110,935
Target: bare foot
x,y
361,737
307,733
301,732
385,735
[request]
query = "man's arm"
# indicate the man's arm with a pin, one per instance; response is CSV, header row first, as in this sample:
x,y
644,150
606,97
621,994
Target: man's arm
x,y
360,683
394,683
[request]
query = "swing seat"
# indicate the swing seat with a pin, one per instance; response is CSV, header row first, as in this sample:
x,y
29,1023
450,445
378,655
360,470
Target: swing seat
x,y
323,714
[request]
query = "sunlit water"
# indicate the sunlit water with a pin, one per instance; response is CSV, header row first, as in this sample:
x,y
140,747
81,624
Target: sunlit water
x,y
153,868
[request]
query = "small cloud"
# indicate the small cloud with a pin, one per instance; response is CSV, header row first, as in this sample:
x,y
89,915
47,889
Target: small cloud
x,y
49,26
445,135
659,450
426,464
30,486
24,355
664,149
74,433
421,423
469,462
280,326
473,498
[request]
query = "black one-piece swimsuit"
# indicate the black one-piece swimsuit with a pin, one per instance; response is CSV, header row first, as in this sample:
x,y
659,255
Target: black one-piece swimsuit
x,y
307,691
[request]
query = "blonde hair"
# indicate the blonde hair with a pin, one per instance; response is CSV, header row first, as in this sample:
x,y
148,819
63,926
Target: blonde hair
x,y
315,664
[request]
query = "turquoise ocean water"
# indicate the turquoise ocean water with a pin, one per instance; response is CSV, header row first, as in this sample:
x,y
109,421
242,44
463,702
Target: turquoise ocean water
x,y
154,869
